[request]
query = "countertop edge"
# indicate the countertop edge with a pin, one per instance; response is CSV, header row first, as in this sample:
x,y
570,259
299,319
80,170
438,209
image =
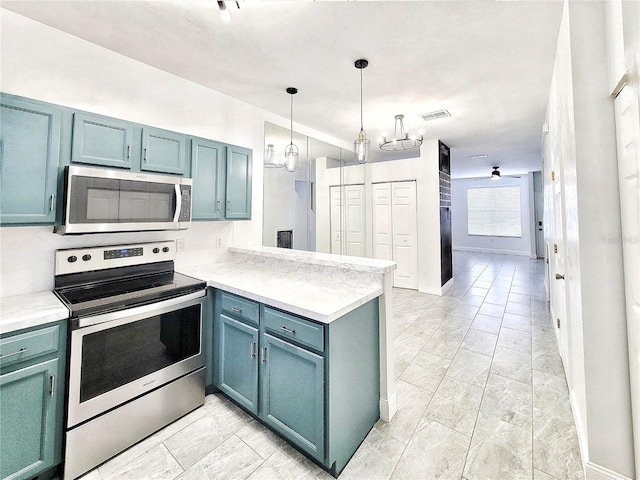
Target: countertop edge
x,y
35,309
295,309
343,262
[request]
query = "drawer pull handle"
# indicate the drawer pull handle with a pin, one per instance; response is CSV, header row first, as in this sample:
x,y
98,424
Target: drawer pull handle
x,y
236,309
22,350
228,205
218,206
52,380
263,358
288,330
252,352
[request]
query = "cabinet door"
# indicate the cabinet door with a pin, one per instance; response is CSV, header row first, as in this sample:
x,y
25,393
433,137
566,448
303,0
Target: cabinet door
x,y
292,392
29,153
239,362
99,140
207,170
27,420
163,151
238,191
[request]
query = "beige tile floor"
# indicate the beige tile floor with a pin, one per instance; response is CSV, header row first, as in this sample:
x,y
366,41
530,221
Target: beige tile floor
x,y
481,395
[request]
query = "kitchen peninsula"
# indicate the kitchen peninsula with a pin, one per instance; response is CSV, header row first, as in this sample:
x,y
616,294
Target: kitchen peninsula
x,y
319,286
301,340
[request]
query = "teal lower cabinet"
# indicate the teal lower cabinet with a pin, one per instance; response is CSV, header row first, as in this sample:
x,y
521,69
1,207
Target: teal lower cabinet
x,y
317,385
292,381
32,366
238,366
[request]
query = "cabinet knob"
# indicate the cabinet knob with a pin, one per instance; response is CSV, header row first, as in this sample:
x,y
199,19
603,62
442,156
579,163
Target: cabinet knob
x,y
559,277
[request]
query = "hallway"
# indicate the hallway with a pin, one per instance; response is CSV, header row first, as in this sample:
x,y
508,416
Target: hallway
x,y
481,395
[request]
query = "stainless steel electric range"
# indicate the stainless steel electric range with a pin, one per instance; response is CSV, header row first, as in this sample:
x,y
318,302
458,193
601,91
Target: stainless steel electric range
x,y
135,355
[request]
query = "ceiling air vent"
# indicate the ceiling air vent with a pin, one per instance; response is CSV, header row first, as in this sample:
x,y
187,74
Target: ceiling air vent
x,y
435,115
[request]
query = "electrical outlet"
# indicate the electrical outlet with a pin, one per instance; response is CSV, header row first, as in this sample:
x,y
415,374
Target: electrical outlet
x,y
218,242
181,244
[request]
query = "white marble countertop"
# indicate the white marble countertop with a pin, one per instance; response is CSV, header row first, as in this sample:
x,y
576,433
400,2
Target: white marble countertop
x,y
30,310
343,262
322,295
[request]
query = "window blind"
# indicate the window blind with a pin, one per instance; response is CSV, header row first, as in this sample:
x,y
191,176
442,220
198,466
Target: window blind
x,y
494,211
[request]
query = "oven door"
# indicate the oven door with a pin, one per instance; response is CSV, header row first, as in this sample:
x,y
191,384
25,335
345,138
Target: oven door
x,y
102,200
124,354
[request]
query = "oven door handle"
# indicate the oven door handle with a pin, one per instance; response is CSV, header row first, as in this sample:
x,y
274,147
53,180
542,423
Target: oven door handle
x,y
143,310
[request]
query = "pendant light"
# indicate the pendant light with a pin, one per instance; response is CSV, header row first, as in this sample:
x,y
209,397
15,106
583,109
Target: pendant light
x,y
270,158
291,152
401,139
361,144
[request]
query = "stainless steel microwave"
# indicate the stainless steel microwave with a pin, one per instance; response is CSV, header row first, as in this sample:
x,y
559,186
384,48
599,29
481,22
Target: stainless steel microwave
x,y
98,200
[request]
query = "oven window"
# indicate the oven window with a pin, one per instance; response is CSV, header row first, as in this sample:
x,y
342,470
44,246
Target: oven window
x,y
116,356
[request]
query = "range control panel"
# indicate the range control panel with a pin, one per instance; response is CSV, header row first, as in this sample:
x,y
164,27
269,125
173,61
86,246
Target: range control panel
x,y
77,260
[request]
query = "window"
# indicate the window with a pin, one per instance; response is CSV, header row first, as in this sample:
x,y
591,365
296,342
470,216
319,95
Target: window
x,y
494,211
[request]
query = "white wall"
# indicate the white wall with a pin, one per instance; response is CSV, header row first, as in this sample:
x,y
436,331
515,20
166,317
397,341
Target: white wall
x,y
581,141
43,63
463,241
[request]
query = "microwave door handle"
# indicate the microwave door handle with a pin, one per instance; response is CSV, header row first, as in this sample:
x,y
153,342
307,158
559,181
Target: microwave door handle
x,y
178,195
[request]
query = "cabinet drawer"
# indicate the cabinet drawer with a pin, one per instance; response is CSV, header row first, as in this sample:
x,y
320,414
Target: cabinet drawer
x,y
295,328
240,307
26,346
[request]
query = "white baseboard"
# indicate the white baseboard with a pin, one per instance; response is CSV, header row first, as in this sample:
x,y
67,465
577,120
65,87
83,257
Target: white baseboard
x,y
594,471
580,428
388,407
447,286
491,250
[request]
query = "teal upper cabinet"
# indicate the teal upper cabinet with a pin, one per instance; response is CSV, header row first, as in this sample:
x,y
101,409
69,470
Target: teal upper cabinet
x,y
109,142
221,181
29,154
238,188
99,140
208,172
163,151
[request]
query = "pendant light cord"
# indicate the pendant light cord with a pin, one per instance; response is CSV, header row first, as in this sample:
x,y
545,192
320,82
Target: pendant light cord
x,y
291,130
361,123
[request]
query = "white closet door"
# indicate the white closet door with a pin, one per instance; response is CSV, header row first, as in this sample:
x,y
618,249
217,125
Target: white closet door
x,y
355,220
337,221
405,234
627,112
382,224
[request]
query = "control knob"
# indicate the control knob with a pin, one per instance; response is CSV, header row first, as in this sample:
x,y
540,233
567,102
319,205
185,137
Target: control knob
x,y
156,250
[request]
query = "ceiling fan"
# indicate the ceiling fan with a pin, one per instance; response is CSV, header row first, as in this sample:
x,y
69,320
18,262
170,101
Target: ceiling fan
x,y
495,174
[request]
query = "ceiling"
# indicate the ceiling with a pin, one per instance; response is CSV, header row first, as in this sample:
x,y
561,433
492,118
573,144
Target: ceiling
x,y
488,63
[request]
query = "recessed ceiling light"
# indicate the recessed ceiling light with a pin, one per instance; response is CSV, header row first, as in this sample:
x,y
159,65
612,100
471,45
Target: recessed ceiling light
x,y
475,157
435,115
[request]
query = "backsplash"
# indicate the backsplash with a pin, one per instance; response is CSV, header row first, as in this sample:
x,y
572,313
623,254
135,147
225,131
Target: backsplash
x,y
27,260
